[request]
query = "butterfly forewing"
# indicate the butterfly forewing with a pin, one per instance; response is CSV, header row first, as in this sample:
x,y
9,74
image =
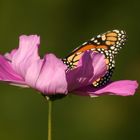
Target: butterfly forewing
x,y
108,43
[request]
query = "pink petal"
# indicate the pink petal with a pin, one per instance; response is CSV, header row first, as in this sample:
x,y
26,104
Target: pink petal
x,y
91,66
7,73
48,75
33,72
26,54
99,65
121,88
9,56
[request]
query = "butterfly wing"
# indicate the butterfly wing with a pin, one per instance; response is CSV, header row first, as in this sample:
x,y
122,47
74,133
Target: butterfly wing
x,y
108,43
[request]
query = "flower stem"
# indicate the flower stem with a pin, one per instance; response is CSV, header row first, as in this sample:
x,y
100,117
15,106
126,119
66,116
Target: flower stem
x,y
49,120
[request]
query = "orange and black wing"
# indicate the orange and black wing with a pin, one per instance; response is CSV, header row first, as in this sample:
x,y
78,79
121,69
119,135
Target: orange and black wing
x,y
108,43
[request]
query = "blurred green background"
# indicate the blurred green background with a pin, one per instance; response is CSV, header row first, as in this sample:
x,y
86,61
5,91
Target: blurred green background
x,y
64,25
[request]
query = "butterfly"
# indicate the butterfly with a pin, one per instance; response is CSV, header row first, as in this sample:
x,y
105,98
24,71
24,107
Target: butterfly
x,y
108,43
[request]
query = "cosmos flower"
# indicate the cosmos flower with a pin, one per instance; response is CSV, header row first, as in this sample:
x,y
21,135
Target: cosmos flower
x,y
49,75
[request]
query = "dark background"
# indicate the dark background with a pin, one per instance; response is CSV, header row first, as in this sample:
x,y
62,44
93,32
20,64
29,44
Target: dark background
x,y
64,25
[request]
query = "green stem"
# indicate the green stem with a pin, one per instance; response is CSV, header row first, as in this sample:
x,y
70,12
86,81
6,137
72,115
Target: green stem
x,y
49,120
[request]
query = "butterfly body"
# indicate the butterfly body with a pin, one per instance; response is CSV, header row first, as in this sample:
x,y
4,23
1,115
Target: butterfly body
x,y
108,43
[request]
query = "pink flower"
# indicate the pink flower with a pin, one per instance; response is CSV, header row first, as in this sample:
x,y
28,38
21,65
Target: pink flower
x,y
49,75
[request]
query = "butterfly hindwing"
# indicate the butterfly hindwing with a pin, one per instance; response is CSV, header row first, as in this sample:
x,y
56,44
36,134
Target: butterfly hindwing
x,y
108,43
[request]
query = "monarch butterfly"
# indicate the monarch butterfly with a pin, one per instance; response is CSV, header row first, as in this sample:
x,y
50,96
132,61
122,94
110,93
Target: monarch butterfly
x,y
108,43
